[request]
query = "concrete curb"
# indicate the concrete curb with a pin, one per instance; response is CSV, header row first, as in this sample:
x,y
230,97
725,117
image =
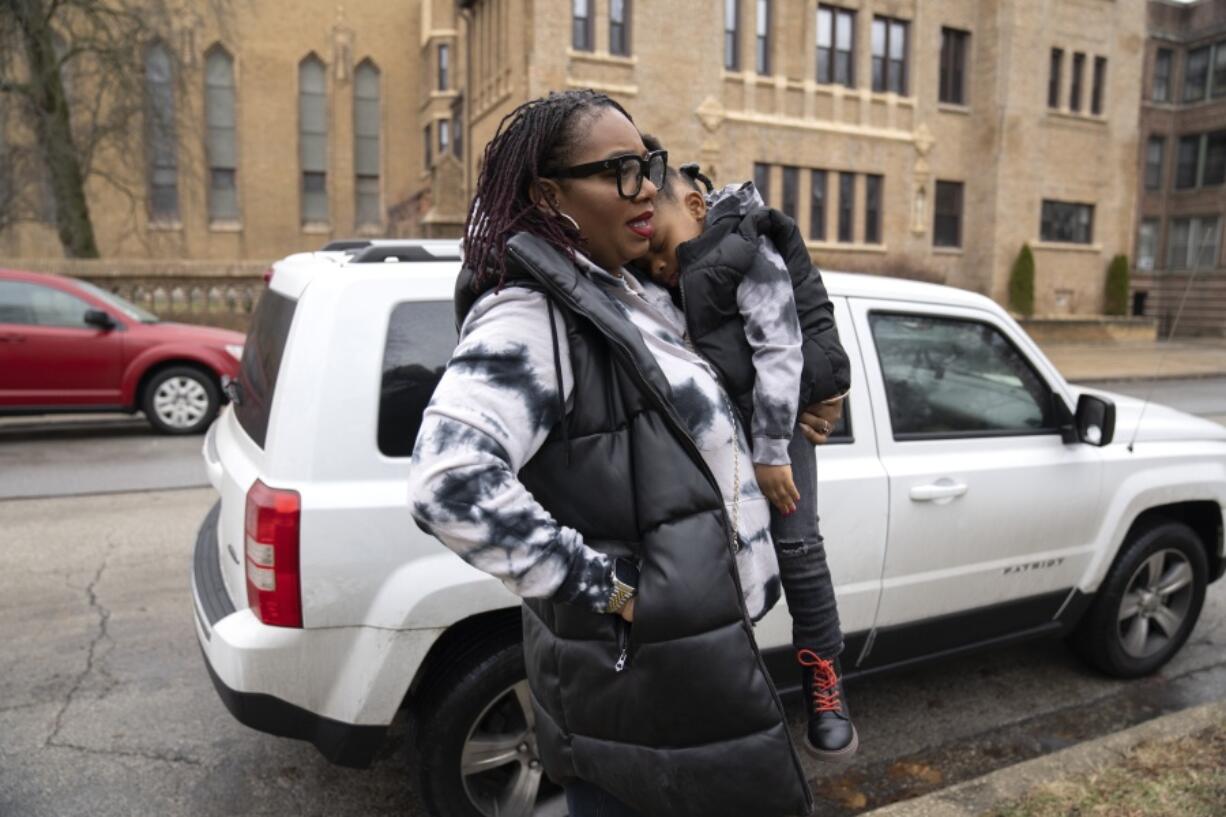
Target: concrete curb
x,y
974,797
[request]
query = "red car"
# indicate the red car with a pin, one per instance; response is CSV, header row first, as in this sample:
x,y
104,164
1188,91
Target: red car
x,y
66,345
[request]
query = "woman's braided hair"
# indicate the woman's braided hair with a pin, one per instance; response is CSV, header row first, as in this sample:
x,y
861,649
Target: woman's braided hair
x,y
532,141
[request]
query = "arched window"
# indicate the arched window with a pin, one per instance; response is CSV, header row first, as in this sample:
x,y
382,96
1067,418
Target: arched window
x,y
220,123
366,144
313,139
160,135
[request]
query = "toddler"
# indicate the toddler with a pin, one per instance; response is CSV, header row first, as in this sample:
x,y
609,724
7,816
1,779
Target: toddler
x,y
756,308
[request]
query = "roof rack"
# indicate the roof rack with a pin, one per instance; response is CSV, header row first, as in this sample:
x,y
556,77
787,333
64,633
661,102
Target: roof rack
x,y
346,244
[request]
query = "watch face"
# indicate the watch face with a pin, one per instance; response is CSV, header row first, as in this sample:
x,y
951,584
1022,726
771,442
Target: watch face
x,y
625,572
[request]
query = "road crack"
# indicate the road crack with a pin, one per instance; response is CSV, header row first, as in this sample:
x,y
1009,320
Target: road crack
x,y
162,757
104,617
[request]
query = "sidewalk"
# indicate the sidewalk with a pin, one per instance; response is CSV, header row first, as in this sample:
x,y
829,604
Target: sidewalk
x,y
984,795
1143,360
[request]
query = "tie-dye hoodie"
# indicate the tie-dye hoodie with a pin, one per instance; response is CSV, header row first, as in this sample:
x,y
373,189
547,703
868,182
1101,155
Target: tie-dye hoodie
x,y
493,409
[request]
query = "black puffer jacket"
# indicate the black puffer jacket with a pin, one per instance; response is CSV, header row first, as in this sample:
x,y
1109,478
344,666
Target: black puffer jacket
x,y
692,726
713,266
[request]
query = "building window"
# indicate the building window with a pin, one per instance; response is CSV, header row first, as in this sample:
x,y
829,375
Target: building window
x,y
444,136
847,204
366,130
1074,94
162,145
1155,148
1161,90
732,27
1219,70
762,181
313,139
457,129
1100,81
619,27
817,205
1201,161
581,25
1054,78
872,209
219,139
1196,75
1193,243
947,224
889,55
836,46
1067,222
762,38
427,140
791,191
444,67
1147,244
953,66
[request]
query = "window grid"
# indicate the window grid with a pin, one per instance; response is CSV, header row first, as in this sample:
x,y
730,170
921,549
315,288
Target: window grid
x,y
847,204
1193,243
1155,150
953,66
732,27
791,192
836,28
762,38
817,205
366,158
872,209
162,144
1054,77
1161,90
1067,222
1147,244
1100,81
947,219
1200,160
1074,95
890,55
581,25
220,141
444,67
1196,74
313,139
619,27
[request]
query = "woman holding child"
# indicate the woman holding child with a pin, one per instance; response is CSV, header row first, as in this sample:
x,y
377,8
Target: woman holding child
x,y
580,448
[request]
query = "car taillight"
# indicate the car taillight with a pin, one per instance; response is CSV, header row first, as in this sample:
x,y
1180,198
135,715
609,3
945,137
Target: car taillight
x,y
274,591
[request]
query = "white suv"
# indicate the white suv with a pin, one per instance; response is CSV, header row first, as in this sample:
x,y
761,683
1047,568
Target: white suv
x,y
970,497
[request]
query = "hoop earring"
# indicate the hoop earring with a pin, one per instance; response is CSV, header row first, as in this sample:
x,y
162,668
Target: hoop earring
x,y
573,223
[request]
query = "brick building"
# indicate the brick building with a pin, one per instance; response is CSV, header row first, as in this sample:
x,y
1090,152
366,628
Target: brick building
x,y
930,138
1181,183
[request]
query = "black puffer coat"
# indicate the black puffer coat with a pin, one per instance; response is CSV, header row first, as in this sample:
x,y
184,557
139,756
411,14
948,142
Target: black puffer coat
x,y
691,726
713,266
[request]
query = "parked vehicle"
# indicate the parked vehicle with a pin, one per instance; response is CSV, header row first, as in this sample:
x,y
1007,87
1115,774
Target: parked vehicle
x,y
971,497
69,346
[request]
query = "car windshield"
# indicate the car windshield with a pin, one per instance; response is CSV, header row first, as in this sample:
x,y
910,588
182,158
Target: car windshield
x,y
130,309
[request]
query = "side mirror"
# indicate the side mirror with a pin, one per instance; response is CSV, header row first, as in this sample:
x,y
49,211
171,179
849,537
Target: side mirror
x,y
98,318
1095,420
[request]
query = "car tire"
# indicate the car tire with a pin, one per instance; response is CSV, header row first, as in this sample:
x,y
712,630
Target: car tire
x,y
475,717
1148,603
181,400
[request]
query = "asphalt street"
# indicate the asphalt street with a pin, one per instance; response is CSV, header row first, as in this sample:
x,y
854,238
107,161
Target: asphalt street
x,y
105,707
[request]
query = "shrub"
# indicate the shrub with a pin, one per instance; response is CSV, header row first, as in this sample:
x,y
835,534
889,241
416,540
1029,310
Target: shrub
x,y
1115,295
1021,283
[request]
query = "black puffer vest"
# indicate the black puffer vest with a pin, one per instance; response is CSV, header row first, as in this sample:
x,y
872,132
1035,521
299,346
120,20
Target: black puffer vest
x,y
713,266
691,725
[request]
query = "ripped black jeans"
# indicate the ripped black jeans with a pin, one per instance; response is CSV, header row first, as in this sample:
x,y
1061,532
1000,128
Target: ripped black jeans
x,y
802,560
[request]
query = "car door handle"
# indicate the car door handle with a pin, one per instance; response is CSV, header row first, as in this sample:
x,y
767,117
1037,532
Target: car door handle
x,y
941,489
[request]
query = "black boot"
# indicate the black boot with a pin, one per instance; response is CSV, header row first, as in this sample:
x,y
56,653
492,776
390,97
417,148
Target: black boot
x,y
831,734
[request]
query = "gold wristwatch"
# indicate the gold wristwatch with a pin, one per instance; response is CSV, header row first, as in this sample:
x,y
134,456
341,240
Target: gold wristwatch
x,y
625,585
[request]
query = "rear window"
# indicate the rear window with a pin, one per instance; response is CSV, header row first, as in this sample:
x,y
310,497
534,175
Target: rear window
x,y
257,375
420,339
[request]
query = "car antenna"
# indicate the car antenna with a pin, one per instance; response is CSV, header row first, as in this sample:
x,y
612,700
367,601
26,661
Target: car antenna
x,y
1170,334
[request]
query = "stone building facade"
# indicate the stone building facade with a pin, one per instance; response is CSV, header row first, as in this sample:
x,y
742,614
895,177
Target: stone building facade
x,y
1181,176
928,138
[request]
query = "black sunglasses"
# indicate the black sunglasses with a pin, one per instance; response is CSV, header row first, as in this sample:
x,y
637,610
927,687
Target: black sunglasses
x,y
630,171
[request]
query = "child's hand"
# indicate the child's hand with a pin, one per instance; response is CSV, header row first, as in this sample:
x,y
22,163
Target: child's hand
x,y
777,486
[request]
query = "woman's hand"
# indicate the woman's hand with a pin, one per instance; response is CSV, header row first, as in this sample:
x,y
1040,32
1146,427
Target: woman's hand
x,y
627,612
777,486
818,420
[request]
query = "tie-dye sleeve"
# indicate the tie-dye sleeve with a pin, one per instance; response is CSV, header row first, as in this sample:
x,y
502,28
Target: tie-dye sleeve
x,y
767,305
492,410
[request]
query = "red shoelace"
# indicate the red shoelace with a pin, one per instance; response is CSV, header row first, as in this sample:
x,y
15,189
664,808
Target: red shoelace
x,y
825,681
